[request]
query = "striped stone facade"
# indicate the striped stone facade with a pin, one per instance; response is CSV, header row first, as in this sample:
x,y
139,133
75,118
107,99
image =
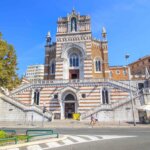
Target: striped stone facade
x,y
88,97
78,41
77,75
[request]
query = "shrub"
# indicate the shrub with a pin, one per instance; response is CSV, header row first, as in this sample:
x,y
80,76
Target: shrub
x,y
3,134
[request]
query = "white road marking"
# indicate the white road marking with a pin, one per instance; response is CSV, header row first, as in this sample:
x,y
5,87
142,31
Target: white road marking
x,y
107,137
93,138
34,147
67,142
53,144
79,139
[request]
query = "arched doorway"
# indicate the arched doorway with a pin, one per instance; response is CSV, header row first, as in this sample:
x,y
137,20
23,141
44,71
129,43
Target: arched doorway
x,y
69,105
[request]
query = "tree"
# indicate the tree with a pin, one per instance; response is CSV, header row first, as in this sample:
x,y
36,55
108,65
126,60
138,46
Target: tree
x,y
8,65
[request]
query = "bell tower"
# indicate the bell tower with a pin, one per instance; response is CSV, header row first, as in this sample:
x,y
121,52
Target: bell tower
x,y
73,47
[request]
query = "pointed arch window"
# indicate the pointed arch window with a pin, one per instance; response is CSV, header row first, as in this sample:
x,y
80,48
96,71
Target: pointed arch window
x,y
36,97
74,60
52,67
69,97
98,66
105,96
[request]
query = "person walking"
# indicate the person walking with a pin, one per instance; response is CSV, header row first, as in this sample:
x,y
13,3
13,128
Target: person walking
x,y
92,120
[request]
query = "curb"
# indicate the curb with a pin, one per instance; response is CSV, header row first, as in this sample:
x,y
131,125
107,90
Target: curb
x,y
76,127
33,143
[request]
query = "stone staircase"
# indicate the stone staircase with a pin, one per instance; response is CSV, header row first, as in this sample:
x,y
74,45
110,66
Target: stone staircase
x,y
107,107
25,107
122,85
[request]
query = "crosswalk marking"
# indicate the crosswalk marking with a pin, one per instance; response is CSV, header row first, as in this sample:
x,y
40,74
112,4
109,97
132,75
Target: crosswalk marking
x,y
53,144
71,140
67,142
78,138
90,137
34,147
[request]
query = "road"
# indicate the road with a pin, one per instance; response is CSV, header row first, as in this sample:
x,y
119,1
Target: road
x,y
118,139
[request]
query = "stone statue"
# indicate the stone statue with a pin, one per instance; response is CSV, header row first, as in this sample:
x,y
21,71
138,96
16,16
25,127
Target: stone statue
x,y
73,25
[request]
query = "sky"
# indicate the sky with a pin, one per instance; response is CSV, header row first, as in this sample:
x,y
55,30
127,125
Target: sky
x,y
25,23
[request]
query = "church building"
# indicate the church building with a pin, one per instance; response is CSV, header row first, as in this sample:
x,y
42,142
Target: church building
x,y
77,76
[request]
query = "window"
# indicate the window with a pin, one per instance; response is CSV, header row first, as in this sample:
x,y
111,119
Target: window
x,y
74,60
36,97
124,72
69,97
83,95
140,86
110,74
52,67
105,96
117,72
98,65
55,96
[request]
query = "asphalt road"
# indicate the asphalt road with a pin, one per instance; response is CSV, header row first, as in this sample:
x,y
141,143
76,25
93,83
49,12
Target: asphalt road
x,y
140,139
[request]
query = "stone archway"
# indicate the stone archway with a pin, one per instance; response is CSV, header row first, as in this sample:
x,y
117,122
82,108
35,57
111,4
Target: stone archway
x,y
73,72
69,104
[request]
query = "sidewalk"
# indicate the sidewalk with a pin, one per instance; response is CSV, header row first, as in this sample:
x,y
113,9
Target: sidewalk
x,y
71,124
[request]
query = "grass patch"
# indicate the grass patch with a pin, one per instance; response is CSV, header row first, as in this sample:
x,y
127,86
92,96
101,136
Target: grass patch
x,y
7,138
21,137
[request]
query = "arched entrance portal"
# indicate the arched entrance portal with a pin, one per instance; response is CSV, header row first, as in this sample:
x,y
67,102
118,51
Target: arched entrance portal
x,y
69,105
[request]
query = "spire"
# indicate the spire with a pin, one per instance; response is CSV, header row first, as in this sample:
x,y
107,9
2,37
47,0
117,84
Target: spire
x,y
48,34
104,33
48,39
73,10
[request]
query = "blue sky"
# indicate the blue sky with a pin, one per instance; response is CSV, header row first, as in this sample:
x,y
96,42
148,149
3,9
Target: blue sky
x,y
25,23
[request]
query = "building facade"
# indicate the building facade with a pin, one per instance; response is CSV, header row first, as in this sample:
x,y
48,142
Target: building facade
x,y
34,72
118,73
75,55
140,69
77,76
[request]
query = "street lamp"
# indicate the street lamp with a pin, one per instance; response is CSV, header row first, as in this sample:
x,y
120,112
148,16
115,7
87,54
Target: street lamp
x,y
44,111
131,96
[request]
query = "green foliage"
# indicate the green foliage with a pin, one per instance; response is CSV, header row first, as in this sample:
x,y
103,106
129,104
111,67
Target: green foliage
x,y
22,137
3,134
8,65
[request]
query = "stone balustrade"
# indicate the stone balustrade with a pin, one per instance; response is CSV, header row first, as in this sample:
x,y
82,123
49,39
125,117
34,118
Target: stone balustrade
x,y
76,82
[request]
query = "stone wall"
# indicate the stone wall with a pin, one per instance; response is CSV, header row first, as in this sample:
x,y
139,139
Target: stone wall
x,y
11,111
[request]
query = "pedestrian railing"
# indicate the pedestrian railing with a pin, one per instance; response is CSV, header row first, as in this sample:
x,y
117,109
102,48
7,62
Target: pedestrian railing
x,y
12,132
35,133
10,139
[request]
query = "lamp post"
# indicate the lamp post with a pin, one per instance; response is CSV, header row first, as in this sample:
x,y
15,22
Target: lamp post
x,y
44,110
131,96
